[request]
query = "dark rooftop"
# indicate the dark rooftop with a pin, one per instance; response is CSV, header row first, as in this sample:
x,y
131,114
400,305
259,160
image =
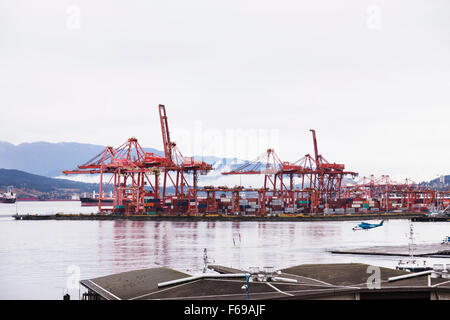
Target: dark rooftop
x,y
318,281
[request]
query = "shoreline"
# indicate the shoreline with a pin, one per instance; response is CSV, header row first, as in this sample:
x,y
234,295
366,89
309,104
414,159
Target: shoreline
x,y
423,250
62,216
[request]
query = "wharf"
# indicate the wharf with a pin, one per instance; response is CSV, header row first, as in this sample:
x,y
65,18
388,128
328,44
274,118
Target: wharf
x,y
430,219
298,218
420,250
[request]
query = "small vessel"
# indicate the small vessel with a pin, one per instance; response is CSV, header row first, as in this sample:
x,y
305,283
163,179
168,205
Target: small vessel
x,y
435,211
411,264
92,202
8,197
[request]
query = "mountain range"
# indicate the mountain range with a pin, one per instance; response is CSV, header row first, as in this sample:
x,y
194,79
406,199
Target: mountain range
x,y
50,159
31,184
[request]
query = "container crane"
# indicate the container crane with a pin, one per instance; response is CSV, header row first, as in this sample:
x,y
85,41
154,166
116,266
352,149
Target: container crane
x,y
130,168
180,165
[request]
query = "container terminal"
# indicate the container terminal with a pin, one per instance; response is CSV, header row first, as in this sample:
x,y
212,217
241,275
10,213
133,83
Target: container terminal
x,y
142,183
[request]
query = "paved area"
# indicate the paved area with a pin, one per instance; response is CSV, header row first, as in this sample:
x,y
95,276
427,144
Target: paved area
x,y
423,250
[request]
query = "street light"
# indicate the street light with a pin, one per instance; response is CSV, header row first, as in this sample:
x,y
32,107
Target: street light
x,y
246,286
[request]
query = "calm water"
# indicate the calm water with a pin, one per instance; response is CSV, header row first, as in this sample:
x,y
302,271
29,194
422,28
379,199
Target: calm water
x,y
38,257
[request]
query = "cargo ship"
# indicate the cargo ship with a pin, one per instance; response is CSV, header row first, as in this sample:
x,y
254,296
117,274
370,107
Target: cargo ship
x,y
92,201
8,197
28,199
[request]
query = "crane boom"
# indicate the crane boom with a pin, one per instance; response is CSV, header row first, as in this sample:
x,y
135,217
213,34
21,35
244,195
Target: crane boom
x,y
316,152
165,132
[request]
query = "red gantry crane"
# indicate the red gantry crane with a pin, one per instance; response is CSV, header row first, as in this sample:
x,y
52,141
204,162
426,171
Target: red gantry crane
x,y
134,177
130,170
180,166
321,180
134,191
327,178
392,195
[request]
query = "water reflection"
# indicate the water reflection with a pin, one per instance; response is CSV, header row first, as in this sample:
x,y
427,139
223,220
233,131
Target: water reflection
x,y
35,255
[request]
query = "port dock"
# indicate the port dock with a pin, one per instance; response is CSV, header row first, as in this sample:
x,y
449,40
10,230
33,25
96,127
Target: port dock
x,y
146,183
190,218
421,250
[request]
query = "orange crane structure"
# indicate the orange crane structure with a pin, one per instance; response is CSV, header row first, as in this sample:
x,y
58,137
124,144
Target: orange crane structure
x,y
273,169
324,179
310,185
392,195
135,174
321,181
180,166
130,170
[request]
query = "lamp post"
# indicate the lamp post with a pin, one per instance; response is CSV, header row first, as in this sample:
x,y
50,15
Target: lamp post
x,y
247,286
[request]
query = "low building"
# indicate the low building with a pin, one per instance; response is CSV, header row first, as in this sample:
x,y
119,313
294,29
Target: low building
x,y
304,282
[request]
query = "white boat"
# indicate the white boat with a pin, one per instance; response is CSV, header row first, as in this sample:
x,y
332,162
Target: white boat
x,y
8,197
411,264
435,211
446,240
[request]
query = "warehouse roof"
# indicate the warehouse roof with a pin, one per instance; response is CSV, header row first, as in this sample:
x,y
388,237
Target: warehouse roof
x,y
299,282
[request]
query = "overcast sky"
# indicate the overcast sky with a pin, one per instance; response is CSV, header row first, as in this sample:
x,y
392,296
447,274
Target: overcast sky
x,y
371,77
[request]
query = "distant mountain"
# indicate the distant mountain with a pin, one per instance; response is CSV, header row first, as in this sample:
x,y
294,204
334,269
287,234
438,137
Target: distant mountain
x,y
40,184
441,183
441,180
46,159
49,159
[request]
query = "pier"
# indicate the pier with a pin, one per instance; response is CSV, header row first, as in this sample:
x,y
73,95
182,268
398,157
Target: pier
x,y
190,218
420,250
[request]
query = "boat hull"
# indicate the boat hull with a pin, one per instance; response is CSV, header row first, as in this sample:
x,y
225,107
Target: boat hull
x,y
6,200
91,202
414,269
